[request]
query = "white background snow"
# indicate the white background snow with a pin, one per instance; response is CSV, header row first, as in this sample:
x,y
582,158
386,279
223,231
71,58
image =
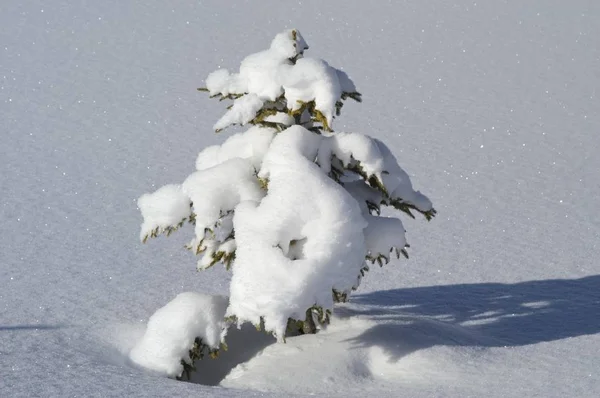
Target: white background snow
x,y
492,107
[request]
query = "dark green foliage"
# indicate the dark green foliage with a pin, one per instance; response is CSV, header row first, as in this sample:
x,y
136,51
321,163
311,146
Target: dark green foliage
x,y
198,351
191,219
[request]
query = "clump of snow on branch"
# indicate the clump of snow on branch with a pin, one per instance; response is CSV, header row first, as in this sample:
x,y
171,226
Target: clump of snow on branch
x,y
165,208
398,182
174,328
312,79
373,158
258,72
383,235
251,145
220,189
243,110
348,147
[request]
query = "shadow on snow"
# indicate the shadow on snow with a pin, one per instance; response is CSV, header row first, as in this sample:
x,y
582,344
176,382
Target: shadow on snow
x,y
470,315
243,344
483,314
29,327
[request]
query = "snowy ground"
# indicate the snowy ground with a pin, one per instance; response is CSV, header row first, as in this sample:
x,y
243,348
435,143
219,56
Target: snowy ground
x,y
491,106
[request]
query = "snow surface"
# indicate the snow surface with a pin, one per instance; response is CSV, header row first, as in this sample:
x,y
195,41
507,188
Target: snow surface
x,y
492,106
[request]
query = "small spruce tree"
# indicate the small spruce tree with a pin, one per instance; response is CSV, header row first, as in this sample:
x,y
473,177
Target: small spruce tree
x,y
291,207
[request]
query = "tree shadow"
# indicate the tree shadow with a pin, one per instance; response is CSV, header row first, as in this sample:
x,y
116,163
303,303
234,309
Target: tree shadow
x,y
478,315
29,327
243,345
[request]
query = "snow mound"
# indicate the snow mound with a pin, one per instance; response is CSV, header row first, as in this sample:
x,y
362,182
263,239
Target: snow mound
x,y
172,330
390,351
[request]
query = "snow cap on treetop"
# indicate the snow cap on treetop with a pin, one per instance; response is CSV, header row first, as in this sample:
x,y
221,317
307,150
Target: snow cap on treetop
x,y
280,73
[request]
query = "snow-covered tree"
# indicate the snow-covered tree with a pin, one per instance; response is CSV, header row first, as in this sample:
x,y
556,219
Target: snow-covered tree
x,y
291,207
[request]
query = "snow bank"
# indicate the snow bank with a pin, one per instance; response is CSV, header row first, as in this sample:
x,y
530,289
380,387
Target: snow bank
x,y
173,328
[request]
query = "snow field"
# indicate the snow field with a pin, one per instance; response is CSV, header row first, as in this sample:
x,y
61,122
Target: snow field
x,y
492,106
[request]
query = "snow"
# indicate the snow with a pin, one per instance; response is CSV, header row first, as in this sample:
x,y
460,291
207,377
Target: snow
x,y
244,109
252,144
221,82
351,146
375,159
293,241
318,212
312,79
173,328
288,44
166,207
383,235
398,183
216,190
491,108
292,235
268,74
